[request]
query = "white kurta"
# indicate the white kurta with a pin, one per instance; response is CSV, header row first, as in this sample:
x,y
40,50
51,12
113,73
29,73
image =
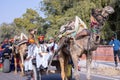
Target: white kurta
x,y
41,60
50,53
28,63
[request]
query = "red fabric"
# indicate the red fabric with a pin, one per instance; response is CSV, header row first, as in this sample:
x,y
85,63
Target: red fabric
x,y
1,65
1,49
17,60
93,21
11,40
6,40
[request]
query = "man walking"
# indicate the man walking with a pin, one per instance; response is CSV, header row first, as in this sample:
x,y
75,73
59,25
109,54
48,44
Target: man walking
x,y
116,47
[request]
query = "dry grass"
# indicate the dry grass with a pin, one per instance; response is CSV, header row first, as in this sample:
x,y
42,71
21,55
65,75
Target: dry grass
x,y
106,71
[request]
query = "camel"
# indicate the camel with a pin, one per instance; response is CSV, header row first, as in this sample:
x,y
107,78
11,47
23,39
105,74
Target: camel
x,y
19,50
84,42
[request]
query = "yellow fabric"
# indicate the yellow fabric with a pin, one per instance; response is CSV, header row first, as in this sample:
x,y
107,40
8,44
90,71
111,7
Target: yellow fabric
x,y
69,67
64,34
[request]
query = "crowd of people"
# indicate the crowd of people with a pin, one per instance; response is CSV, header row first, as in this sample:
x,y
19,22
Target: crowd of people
x,y
41,51
5,47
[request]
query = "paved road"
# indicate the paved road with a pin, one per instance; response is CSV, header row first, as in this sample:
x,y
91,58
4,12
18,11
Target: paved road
x,y
12,76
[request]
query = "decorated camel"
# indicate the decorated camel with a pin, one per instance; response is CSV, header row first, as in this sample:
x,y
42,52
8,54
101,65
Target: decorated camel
x,y
20,48
81,41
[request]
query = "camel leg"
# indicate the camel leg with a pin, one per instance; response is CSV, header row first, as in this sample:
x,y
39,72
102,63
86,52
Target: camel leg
x,y
21,65
88,65
22,51
75,62
74,49
61,59
15,64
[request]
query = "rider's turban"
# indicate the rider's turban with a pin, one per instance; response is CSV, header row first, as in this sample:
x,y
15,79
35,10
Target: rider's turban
x,y
31,41
40,38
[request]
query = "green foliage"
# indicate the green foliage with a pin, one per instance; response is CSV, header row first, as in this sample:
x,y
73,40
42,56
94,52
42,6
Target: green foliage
x,y
8,31
28,20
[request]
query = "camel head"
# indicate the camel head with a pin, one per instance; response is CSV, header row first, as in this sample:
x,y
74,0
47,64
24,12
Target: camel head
x,y
107,10
101,15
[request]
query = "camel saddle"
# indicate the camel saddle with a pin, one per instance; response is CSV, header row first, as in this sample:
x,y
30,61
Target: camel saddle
x,y
22,42
83,33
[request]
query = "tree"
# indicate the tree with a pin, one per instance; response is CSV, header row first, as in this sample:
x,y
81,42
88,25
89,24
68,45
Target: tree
x,y
114,20
8,31
28,19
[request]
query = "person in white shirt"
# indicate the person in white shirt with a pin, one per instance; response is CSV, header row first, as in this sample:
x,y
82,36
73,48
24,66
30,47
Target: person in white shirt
x,y
28,60
52,47
41,54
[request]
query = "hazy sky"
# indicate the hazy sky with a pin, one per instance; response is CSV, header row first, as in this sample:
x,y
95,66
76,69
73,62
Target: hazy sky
x,y
10,9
